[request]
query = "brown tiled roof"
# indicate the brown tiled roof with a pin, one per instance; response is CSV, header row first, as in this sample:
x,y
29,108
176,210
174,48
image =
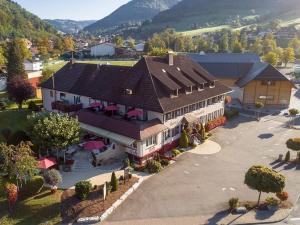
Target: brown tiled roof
x,y
137,130
151,80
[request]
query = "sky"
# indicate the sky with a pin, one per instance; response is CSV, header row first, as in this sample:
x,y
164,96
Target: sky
x,y
71,9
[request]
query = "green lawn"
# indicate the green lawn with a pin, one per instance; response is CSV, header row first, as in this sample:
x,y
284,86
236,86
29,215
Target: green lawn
x,y
55,66
13,119
110,62
42,208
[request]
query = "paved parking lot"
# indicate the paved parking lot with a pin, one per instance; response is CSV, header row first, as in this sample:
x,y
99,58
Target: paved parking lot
x,y
195,189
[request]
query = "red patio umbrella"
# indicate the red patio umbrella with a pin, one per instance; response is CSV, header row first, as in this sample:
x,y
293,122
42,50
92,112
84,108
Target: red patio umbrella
x,y
134,113
91,145
111,108
95,104
45,163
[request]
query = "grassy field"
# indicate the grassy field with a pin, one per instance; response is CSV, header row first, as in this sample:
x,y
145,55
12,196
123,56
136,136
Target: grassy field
x,y
204,30
42,208
57,66
109,62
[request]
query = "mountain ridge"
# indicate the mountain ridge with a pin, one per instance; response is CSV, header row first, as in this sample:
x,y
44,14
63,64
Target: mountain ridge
x,y
69,26
134,11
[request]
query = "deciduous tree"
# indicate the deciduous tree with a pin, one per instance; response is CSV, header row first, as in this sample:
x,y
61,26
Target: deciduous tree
x,y
18,161
264,179
288,55
19,90
271,58
257,47
15,65
53,131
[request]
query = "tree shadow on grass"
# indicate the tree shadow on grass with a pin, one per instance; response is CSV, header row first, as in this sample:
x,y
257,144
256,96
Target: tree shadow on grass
x,y
41,214
217,217
43,195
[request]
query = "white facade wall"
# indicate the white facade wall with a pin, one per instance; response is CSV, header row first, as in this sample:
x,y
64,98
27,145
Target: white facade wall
x,y
33,66
103,50
214,110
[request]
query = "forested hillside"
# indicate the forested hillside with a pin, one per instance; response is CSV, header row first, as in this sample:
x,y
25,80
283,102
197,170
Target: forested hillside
x,y
133,12
70,26
16,21
193,14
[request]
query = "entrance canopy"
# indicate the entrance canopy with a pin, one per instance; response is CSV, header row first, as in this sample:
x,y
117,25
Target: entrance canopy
x,y
107,134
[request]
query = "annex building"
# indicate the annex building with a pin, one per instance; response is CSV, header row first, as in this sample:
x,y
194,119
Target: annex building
x,y
250,79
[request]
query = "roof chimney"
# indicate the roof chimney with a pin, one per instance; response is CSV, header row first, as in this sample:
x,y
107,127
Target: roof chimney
x,y
171,58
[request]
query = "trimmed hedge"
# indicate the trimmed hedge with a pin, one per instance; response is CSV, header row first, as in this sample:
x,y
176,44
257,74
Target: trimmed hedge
x,y
229,113
153,166
215,123
33,186
294,144
83,189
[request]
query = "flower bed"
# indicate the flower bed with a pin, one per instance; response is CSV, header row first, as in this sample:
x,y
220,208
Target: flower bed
x,y
215,123
72,208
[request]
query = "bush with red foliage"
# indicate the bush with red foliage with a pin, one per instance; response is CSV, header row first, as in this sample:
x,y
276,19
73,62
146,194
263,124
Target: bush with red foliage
x,y
283,196
12,195
215,123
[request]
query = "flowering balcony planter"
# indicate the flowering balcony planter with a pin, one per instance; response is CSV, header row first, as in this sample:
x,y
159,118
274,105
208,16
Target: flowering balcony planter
x,y
65,107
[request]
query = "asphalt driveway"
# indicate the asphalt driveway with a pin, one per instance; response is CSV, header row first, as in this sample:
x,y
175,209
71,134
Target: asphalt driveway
x,y
196,189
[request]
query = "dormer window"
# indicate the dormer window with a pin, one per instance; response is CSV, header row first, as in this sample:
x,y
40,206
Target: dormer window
x,y
178,69
212,84
128,91
189,90
174,93
200,87
164,70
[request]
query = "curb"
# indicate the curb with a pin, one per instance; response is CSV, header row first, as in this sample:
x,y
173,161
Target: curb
x,y
97,219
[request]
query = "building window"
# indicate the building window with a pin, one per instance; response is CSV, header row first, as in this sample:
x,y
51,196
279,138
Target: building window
x,y
186,110
178,113
175,131
168,116
268,83
134,145
151,141
51,94
62,96
167,134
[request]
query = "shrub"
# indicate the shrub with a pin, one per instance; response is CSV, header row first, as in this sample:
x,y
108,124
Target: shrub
x,y
53,177
229,113
184,140
83,189
233,203
17,137
33,186
175,152
6,133
126,163
32,106
283,196
294,144
215,123
114,182
287,156
153,166
3,105
108,187
272,201
164,162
